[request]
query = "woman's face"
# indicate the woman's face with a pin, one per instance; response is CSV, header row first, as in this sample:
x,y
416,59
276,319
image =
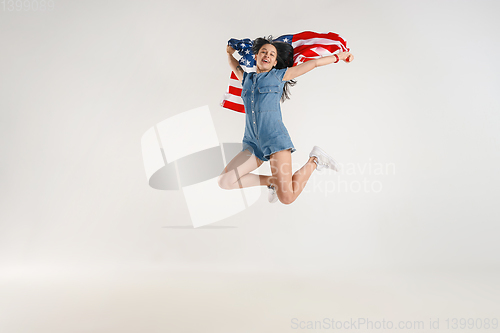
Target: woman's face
x,y
266,58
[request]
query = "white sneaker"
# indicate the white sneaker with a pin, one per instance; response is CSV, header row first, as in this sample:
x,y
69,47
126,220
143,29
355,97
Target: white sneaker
x,y
272,196
323,159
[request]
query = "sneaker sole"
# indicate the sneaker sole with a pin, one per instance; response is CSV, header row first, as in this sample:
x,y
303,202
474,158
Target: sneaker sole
x,y
328,157
272,198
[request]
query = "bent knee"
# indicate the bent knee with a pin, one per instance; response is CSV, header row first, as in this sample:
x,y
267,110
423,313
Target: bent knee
x,y
286,199
224,182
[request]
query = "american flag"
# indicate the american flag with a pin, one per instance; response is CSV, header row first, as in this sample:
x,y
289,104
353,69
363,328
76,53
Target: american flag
x,y
307,45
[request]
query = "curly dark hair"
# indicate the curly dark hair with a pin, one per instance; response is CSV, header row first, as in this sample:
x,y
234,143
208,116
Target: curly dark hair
x,y
284,59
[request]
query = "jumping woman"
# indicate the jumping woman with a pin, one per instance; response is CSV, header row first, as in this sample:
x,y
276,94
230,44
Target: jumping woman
x,y
266,137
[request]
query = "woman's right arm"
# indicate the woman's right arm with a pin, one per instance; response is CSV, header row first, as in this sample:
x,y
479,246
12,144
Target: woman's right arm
x,y
234,64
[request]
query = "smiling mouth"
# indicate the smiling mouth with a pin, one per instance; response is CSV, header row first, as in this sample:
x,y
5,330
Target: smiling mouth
x,y
266,61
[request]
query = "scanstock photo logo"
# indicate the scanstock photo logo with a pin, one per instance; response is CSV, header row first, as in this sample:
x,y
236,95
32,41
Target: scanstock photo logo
x,y
183,153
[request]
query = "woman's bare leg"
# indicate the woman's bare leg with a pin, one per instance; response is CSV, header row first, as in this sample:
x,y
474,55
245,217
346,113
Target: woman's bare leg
x,y
237,172
288,186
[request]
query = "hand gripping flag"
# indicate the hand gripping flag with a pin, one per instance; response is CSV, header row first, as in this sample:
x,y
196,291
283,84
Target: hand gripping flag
x,y
307,45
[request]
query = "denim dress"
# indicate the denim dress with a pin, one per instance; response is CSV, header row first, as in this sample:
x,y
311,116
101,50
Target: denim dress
x,y
265,133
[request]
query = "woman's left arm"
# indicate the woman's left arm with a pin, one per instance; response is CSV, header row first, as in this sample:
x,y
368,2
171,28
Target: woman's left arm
x,y
295,71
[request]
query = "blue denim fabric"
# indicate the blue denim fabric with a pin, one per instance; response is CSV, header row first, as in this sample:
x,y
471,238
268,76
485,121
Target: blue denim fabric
x,y
265,133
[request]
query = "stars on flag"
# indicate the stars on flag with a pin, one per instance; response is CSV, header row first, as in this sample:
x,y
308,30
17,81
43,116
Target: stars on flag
x,y
307,45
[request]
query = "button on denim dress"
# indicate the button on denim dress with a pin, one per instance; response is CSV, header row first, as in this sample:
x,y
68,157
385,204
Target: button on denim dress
x,y
265,133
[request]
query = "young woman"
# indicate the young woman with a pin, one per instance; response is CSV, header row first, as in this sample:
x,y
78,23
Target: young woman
x,y
266,137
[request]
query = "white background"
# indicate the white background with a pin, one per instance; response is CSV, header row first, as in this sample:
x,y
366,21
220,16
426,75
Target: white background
x,y
87,246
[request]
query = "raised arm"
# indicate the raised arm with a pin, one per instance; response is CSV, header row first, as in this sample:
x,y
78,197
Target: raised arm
x,y
295,71
234,64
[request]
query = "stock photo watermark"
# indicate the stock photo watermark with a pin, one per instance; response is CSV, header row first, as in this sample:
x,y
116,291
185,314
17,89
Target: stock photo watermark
x,y
27,5
383,324
362,177
183,153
